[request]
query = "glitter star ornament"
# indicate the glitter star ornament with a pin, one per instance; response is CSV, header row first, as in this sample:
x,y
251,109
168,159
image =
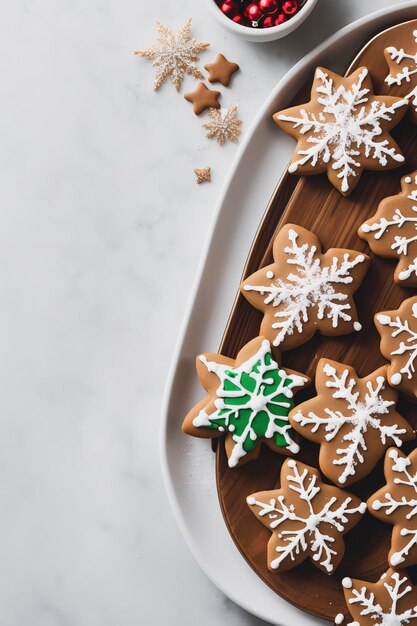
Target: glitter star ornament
x,y
175,56
203,175
224,125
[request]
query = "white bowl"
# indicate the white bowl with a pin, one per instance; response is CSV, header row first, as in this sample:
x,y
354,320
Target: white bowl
x,y
262,34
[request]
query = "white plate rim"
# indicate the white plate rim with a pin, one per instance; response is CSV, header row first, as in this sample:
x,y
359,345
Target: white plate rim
x,y
292,77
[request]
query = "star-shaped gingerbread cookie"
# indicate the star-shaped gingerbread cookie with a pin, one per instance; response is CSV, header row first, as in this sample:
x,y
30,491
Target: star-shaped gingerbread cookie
x,y
392,231
343,129
221,71
398,330
307,518
304,290
396,504
203,98
248,399
401,58
354,420
392,601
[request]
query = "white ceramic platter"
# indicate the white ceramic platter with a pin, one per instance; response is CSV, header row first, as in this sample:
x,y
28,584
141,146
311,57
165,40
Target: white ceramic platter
x,y
188,463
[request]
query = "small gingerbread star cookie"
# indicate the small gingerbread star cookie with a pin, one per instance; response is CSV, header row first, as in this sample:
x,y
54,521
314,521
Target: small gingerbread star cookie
x,y
392,231
221,71
343,129
354,420
398,330
203,98
392,601
307,518
396,503
248,399
304,290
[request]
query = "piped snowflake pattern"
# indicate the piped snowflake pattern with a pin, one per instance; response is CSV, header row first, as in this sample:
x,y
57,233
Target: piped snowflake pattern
x,y
392,601
353,420
398,330
307,518
175,56
343,128
305,290
392,231
403,69
249,400
396,503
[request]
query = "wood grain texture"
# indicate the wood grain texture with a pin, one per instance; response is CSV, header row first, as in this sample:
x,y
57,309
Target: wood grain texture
x,y
313,203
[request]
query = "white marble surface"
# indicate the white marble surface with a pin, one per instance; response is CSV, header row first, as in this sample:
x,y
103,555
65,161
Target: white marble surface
x,y
101,229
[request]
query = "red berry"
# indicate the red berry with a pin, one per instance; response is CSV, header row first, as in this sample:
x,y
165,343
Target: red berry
x,y
229,8
253,12
268,22
280,19
238,19
268,6
290,7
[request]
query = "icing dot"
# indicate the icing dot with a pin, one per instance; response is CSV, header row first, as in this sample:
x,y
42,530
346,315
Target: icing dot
x,y
250,500
292,463
347,583
292,168
407,179
396,378
270,274
376,505
366,228
383,319
360,258
357,326
362,507
339,618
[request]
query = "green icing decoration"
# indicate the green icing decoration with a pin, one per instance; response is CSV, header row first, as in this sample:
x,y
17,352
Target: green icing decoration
x,y
253,402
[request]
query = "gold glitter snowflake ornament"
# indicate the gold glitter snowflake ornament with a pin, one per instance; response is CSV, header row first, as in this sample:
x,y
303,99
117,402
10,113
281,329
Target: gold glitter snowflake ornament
x,y
223,125
203,175
176,55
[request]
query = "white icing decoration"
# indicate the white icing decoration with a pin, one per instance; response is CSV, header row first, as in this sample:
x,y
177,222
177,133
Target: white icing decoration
x,y
408,70
339,619
311,285
357,326
397,220
361,413
270,274
397,589
261,399
400,465
347,583
309,534
350,125
407,345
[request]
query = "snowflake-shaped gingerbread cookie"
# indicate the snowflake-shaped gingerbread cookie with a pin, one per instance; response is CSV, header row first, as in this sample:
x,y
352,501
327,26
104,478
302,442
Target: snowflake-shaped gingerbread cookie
x,y
392,231
392,601
343,129
248,399
402,63
354,420
307,518
304,290
396,503
398,330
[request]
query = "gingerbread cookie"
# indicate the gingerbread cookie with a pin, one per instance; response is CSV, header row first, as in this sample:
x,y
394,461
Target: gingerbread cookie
x,y
396,504
398,330
392,231
392,601
343,129
248,399
353,419
307,518
305,290
402,64
221,71
203,98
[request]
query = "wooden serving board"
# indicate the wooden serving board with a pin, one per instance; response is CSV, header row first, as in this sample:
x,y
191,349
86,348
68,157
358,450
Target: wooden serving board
x,y
313,203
